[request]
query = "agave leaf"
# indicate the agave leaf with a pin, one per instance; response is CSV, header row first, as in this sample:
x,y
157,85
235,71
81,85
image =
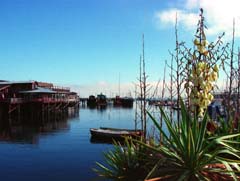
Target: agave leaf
x,y
104,168
228,136
202,132
236,166
232,141
150,174
184,175
229,168
220,142
174,134
200,176
191,149
184,112
172,141
214,156
165,151
158,127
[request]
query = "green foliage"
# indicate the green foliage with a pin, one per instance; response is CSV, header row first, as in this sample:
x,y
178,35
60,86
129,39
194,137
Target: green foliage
x,y
226,127
127,161
189,154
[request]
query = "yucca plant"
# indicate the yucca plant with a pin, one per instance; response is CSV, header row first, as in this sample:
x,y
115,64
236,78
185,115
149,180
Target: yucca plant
x,y
189,154
126,161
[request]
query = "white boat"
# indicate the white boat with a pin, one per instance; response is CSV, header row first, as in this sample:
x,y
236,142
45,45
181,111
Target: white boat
x,y
114,133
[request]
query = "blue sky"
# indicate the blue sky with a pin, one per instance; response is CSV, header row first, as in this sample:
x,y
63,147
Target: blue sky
x,y
86,44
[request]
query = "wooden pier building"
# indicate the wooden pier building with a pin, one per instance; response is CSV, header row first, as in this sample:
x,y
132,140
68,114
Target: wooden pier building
x,y
32,101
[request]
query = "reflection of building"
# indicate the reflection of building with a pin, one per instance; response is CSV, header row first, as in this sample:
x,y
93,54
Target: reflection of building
x,y
33,100
30,133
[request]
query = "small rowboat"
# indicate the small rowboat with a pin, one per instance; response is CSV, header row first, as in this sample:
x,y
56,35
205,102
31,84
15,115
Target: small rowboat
x,y
114,133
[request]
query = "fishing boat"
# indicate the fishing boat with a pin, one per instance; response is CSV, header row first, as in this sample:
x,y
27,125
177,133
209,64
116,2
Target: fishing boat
x,y
114,133
127,102
117,101
101,100
91,101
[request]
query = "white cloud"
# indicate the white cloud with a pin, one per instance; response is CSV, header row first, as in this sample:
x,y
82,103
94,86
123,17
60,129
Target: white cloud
x,y
168,17
219,15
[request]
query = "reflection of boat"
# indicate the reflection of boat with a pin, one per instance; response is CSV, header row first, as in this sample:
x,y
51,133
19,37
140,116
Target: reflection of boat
x,y
101,100
98,140
91,102
114,133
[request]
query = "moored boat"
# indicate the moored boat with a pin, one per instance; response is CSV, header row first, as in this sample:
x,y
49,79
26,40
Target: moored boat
x,y
127,102
101,100
91,101
114,133
117,101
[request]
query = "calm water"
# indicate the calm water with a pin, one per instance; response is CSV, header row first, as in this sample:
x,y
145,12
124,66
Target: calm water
x,y
60,150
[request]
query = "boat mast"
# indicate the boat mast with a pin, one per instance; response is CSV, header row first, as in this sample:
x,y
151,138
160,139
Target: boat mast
x,y
119,84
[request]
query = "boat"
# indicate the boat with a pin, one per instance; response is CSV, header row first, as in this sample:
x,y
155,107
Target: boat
x,y
114,133
123,101
127,102
91,101
101,100
117,101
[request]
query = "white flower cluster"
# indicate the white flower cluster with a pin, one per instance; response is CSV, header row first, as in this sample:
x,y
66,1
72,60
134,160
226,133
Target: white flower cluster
x,y
201,80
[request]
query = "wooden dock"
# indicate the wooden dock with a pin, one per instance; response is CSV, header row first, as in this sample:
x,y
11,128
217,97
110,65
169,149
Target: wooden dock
x,y
32,101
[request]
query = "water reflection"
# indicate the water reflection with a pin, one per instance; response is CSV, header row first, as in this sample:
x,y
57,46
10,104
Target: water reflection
x,y
94,140
60,148
28,131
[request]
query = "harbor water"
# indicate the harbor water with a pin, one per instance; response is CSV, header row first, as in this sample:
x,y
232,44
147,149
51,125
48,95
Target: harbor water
x,y
59,149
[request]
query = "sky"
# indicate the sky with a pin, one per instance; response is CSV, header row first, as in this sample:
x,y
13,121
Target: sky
x,y
94,46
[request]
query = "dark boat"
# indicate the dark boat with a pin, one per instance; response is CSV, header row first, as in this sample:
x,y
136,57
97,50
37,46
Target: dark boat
x,y
117,101
114,133
91,102
127,102
101,100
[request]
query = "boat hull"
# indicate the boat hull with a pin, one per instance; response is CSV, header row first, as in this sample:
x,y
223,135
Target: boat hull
x,y
114,133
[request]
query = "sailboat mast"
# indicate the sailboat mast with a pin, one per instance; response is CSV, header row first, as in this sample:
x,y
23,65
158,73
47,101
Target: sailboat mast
x,y
119,85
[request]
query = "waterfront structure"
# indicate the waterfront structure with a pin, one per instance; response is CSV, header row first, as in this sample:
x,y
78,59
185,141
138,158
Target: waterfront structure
x,y
33,100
